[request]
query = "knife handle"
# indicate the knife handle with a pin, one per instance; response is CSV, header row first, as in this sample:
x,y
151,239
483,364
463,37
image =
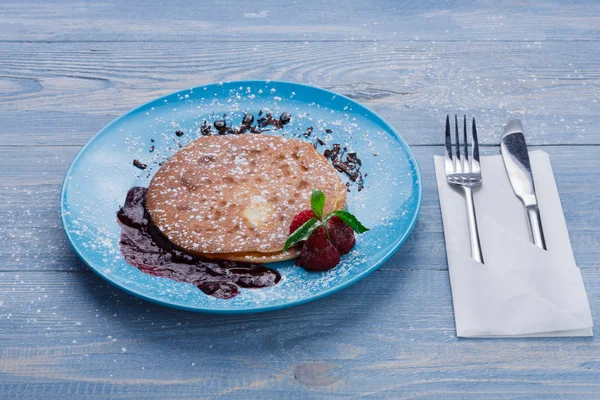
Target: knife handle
x,y
535,222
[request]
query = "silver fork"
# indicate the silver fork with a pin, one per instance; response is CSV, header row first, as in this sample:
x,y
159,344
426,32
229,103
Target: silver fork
x,y
464,171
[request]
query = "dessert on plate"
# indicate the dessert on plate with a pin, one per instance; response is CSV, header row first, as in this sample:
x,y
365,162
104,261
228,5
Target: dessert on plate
x,y
233,197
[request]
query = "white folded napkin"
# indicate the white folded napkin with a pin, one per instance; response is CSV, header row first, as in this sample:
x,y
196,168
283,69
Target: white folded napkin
x,y
522,290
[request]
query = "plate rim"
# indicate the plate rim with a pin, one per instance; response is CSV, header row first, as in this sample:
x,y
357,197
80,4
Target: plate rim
x,y
212,310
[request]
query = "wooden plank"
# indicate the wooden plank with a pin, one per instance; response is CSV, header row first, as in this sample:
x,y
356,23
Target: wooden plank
x,y
391,335
66,69
33,238
306,20
62,93
49,128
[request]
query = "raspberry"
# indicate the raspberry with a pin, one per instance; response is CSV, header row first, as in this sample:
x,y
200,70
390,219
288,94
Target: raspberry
x,y
341,235
300,219
318,253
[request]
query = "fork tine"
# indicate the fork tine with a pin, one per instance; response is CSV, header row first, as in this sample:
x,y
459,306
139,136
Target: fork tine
x,y
458,159
475,160
466,163
448,158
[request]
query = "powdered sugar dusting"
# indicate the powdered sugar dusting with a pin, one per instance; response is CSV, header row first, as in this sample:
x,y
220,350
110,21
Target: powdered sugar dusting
x,y
102,175
238,193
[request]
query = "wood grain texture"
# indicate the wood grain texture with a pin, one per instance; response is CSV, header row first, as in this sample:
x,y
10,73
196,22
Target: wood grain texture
x,y
77,88
68,68
232,20
391,335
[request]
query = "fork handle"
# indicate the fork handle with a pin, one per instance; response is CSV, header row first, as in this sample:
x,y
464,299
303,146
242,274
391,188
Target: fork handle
x,y
476,253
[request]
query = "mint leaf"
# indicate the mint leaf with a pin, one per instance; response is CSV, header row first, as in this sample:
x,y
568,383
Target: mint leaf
x,y
302,233
349,219
317,202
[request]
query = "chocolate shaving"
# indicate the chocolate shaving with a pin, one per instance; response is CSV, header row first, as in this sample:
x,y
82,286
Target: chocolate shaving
x,y
151,148
333,153
220,127
247,125
320,141
353,158
308,132
139,164
205,129
269,120
350,166
328,131
179,133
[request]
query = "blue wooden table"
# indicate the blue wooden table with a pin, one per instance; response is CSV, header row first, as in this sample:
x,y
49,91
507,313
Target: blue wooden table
x,y
67,68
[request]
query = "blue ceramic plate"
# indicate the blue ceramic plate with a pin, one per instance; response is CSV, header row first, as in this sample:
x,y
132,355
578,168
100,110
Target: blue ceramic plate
x,y
102,173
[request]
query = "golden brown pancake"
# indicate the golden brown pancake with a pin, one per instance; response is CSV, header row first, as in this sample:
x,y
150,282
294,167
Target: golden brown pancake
x,y
257,257
234,196
264,257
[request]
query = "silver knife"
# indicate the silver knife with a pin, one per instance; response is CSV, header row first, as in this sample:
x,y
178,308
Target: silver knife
x,y
516,160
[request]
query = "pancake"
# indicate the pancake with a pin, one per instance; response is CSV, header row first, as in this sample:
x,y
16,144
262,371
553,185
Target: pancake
x,y
256,257
234,196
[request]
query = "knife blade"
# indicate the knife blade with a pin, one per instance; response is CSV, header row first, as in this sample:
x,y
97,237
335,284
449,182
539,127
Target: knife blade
x,y
518,167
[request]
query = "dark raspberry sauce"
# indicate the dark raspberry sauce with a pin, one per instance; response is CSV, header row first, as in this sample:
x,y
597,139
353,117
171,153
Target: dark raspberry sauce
x,y
147,249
